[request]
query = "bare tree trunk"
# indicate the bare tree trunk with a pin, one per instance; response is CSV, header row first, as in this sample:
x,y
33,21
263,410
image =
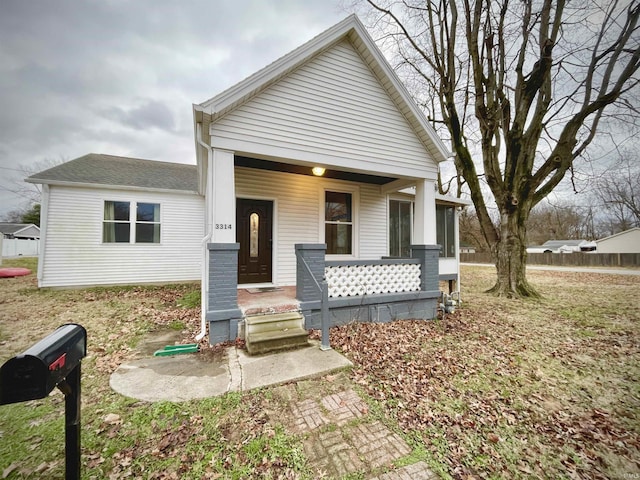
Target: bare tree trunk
x,y
510,257
490,65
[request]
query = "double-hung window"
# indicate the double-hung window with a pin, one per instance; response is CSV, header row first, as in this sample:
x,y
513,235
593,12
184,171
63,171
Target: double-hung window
x,y
131,222
338,223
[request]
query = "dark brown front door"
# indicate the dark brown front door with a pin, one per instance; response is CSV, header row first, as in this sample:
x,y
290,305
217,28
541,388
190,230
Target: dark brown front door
x,y
254,227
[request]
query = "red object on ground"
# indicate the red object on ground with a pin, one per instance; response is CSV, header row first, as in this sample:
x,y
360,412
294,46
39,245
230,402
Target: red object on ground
x,y
13,272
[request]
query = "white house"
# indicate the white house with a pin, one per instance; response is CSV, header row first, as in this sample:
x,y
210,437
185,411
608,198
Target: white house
x,y
301,174
20,239
622,242
562,246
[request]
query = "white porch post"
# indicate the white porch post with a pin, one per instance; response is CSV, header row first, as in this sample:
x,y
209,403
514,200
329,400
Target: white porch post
x,y
424,228
223,197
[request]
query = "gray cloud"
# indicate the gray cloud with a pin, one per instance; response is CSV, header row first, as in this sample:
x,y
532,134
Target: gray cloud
x,y
120,77
151,114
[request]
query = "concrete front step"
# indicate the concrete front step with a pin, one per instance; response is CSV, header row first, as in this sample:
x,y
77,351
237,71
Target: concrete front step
x,y
266,333
277,340
272,322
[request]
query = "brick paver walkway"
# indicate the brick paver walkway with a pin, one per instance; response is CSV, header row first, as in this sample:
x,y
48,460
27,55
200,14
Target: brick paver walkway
x,y
363,446
418,470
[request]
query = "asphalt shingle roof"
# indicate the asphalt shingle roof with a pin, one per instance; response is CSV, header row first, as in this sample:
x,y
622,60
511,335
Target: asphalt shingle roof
x,y
562,243
9,228
101,169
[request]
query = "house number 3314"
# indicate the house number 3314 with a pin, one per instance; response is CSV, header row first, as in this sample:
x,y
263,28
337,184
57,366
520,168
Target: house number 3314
x,y
223,226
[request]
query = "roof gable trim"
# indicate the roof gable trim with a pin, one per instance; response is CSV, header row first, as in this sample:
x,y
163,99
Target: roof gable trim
x,y
350,26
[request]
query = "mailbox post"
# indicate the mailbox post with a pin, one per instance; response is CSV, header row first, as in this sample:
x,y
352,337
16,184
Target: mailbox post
x,y
52,362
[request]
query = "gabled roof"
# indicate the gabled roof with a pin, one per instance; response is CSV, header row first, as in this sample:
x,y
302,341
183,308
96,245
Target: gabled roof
x,y
113,171
618,234
562,243
8,228
354,30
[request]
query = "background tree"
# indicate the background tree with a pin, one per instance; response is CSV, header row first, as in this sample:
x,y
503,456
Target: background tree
x,y
527,85
30,192
561,221
32,215
618,190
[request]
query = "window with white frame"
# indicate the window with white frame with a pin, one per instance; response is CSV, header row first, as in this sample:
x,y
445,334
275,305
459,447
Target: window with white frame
x,y
131,222
338,223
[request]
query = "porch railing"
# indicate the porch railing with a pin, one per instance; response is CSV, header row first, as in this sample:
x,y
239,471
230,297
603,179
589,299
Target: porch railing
x,y
366,277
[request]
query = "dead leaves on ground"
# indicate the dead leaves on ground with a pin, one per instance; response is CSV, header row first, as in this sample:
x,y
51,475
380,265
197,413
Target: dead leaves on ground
x,y
471,389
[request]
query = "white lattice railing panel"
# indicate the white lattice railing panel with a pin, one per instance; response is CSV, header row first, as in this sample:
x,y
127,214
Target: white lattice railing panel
x,y
352,280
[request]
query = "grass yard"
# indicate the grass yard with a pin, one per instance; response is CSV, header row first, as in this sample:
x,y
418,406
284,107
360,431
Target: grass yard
x,y
500,389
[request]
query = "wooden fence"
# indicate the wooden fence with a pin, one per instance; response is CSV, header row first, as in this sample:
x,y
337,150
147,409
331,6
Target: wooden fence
x,y
568,259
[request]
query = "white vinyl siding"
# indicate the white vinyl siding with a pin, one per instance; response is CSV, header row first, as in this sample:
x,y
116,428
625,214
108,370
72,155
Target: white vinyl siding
x,y
76,256
298,200
373,223
333,111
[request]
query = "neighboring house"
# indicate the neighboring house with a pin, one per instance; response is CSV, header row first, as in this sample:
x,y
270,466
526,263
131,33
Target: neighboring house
x,y
20,239
20,230
623,242
302,174
562,246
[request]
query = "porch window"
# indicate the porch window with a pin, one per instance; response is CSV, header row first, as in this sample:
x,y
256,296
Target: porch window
x,y
127,222
400,228
445,228
338,223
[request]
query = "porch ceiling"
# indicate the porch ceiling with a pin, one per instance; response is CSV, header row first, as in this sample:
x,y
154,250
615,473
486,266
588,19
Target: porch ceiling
x,y
241,161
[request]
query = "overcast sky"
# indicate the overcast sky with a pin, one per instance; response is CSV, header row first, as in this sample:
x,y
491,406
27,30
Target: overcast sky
x,y
119,77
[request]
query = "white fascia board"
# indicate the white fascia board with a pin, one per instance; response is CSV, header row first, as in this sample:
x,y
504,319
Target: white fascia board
x,y
59,183
410,104
266,75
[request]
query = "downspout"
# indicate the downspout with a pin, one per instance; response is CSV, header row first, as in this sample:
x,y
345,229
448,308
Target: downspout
x,y
208,233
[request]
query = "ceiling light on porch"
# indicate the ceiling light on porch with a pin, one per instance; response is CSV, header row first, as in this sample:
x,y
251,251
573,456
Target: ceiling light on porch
x,y
318,171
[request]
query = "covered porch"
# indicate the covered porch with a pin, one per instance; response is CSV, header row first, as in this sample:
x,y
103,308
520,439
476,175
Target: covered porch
x,y
310,152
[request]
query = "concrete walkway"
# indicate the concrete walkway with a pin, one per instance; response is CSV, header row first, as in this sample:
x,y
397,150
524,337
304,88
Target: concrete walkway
x,y
554,268
339,436
190,376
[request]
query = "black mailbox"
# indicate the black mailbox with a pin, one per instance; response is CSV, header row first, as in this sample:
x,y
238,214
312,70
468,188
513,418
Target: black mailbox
x,y
52,362
37,371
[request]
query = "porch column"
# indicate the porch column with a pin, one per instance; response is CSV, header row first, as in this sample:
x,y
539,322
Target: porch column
x,y
223,313
221,277
424,223
223,197
429,266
